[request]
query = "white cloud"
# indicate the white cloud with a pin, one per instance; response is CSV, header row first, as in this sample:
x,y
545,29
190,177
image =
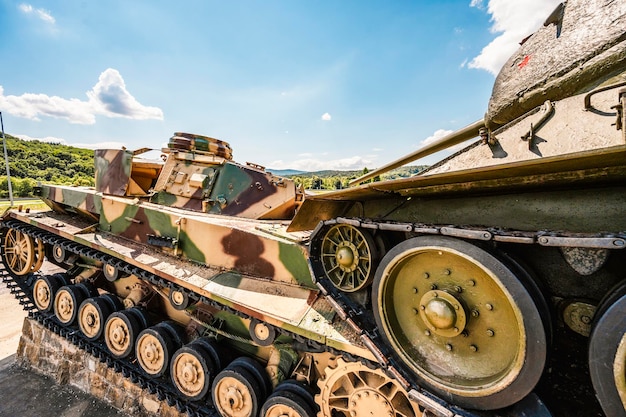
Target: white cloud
x,y
326,116
435,137
40,13
108,97
513,20
61,141
311,164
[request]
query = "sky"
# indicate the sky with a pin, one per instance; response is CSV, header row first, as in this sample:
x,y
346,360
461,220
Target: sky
x,y
290,84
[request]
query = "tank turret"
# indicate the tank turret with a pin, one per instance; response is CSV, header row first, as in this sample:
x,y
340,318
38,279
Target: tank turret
x,y
198,174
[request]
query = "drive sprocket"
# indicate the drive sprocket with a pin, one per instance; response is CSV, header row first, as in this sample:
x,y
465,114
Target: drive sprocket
x,y
351,389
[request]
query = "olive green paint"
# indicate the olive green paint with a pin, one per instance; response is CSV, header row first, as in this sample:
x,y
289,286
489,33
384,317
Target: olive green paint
x,y
73,198
164,198
120,224
294,259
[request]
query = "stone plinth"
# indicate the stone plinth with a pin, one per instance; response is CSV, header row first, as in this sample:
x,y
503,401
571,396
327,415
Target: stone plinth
x,y
49,354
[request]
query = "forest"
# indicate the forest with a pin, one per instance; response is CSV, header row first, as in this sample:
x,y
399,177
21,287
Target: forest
x,y
33,162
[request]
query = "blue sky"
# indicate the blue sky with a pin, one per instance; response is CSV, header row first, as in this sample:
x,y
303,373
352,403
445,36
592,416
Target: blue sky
x,y
297,84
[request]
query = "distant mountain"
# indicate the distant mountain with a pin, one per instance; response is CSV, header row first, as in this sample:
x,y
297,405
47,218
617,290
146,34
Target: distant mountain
x,y
285,172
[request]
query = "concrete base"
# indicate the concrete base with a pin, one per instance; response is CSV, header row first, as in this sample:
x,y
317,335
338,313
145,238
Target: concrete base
x,y
51,355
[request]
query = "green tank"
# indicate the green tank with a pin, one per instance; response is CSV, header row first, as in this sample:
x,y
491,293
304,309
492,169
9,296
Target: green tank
x,y
490,284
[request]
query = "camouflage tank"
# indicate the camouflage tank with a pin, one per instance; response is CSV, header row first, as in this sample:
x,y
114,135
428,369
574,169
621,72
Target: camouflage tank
x,y
491,284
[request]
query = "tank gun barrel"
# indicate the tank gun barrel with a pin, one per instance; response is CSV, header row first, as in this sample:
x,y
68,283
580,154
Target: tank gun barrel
x,y
452,139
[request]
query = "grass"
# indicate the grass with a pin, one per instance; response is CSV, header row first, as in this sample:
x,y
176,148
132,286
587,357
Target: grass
x,y
33,204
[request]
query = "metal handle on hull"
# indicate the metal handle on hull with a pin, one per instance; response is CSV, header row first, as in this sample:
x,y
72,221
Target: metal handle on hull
x,y
452,139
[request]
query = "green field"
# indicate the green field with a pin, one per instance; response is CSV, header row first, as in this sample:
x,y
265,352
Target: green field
x,y
33,204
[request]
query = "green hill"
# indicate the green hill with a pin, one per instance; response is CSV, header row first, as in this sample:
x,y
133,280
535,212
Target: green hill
x,y
334,180
31,162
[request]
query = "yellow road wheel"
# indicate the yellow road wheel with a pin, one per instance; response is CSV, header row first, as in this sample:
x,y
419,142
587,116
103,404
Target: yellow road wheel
x,y
347,256
121,330
66,302
21,253
154,349
191,371
607,353
44,291
353,389
461,321
236,393
286,404
94,312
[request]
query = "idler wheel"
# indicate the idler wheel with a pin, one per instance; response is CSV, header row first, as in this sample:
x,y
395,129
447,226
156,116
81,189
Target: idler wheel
x,y
236,393
347,256
461,320
191,370
607,353
21,253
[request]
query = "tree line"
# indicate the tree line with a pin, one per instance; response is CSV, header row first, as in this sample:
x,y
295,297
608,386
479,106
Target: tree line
x,y
336,180
33,162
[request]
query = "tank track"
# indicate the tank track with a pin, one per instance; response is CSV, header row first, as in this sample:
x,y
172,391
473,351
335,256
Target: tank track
x,y
22,290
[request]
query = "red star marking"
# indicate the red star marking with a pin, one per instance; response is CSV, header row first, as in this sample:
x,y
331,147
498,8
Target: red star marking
x,y
524,62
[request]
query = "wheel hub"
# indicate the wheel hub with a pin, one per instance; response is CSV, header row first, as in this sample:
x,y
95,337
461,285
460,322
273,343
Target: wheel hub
x,y
345,256
442,313
119,335
64,305
189,373
43,294
178,297
234,398
368,402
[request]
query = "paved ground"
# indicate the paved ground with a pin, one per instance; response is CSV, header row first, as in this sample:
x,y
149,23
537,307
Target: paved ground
x,y
25,393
